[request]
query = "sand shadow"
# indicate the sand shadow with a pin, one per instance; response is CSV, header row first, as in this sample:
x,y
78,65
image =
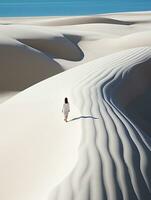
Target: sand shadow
x,y
82,117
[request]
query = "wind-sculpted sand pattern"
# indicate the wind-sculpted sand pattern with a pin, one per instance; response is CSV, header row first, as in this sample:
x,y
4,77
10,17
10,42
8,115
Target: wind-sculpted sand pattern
x,y
102,63
115,153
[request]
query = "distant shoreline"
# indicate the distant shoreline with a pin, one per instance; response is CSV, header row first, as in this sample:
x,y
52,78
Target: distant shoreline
x,y
59,16
70,8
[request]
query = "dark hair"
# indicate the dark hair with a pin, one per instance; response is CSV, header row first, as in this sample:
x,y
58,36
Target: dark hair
x,y
66,100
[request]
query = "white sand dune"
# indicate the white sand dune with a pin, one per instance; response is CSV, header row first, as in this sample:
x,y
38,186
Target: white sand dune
x,y
114,154
104,151
69,21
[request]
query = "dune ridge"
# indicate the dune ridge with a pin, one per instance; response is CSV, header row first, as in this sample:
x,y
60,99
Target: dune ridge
x,y
115,158
40,47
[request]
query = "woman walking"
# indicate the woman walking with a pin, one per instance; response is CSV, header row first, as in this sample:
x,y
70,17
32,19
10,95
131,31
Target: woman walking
x,y
66,109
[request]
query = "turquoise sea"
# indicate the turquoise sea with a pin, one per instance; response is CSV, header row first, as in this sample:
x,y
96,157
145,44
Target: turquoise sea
x,y
69,7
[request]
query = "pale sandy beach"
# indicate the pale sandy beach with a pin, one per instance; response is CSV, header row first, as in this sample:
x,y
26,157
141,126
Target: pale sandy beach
x,y
102,63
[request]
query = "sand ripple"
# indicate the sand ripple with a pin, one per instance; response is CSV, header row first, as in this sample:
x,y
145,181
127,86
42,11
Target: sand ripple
x,y
114,154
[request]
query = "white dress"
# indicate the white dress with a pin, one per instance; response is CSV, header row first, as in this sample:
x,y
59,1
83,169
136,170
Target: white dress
x,y
66,108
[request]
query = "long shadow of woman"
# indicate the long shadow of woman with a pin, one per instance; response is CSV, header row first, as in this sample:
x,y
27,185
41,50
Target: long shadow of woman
x,y
83,117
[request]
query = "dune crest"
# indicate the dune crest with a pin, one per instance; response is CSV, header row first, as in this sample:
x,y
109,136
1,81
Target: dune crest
x,y
114,154
40,47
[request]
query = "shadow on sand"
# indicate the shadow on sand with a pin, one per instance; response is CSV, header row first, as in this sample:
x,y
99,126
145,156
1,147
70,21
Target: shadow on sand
x,y
82,117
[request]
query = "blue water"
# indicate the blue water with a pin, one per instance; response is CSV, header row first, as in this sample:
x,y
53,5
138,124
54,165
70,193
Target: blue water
x,y
69,7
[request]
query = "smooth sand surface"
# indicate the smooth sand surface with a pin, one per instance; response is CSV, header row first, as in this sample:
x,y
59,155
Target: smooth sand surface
x,y
102,63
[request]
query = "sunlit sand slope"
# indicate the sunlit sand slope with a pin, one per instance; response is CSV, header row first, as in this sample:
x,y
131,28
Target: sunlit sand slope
x,y
40,151
35,48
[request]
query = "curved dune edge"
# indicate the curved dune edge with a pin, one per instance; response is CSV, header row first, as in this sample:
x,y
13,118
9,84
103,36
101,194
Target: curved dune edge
x,y
114,154
34,49
70,21
126,18
114,158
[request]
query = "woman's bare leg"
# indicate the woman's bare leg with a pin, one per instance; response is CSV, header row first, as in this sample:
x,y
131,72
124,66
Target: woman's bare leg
x,y
66,117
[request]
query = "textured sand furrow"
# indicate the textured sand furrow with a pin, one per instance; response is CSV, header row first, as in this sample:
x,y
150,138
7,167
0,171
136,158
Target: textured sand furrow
x,y
96,183
117,152
138,181
123,172
85,174
143,156
135,162
114,148
141,152
126,144
111,160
